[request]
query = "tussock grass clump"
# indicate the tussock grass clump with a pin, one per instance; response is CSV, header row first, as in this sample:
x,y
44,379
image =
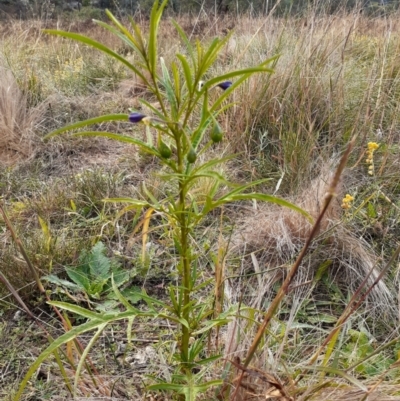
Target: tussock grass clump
x,y
18,123
274,236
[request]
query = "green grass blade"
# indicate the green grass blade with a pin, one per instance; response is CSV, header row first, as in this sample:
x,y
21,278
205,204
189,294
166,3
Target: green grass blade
x,y
338,372
71,335
62,371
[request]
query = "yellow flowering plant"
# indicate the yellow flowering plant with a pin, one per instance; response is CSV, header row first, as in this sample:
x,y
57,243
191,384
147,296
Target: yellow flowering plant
x,y
347,202
372,147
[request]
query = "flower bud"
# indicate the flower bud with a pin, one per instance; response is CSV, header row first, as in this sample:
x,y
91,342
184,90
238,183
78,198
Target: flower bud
x,y
136,117
225,85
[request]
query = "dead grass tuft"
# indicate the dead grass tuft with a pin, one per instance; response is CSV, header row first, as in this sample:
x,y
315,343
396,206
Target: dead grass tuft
x,y
17,122
273,236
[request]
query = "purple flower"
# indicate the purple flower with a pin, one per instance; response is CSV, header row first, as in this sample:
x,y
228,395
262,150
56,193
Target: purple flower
x,y
225,85
136,117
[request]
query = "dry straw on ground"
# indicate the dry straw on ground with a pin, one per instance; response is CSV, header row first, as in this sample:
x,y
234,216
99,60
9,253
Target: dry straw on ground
x,y
274,236
17,122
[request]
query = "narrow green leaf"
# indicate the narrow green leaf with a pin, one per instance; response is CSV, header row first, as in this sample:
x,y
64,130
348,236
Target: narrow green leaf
x,y
213,163
186,40
187,72
270,199
169,89
150,196
121,298
78,310
154,110
126,38
134,202
137,41
205,386
176,306
207,361
177,83
204,122
138,35
98,46
121,138
175,319
91,121
85,353
212,82
210,325
155,18
211,55
70,335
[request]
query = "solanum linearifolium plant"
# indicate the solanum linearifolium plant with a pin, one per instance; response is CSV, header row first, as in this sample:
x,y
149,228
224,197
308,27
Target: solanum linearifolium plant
x,y
184,119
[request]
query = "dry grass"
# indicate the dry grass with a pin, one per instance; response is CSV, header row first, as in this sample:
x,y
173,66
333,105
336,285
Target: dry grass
x,y
275,235
18,123
336,76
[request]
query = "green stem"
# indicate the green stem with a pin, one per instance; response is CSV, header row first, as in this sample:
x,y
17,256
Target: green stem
x,y
185,251
185,260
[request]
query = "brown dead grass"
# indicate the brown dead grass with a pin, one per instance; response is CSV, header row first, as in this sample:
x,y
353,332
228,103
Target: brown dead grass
x,y
17,123
272,237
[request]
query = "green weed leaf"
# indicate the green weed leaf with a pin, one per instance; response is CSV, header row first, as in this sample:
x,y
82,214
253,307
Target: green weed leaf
x,y
91,121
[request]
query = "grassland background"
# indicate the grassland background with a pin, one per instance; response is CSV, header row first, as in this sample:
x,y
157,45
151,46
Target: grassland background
x,y
337,77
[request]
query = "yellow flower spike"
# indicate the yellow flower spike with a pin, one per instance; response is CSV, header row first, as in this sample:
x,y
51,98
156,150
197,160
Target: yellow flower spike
x,y
372,146
346,201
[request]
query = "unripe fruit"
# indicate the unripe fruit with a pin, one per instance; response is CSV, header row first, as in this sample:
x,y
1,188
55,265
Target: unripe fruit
x,y
216,133
191,156
164,149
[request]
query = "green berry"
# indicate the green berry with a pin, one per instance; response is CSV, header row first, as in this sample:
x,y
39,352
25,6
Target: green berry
x,y
163,148
191,156
216,133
